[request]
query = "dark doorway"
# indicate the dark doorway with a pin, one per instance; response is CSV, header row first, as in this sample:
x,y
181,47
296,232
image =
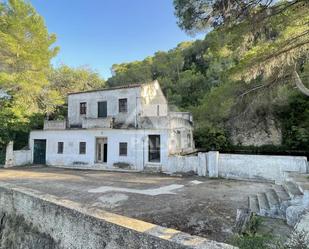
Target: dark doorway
x,y
105,153
154,148
39,151
101,149
102,109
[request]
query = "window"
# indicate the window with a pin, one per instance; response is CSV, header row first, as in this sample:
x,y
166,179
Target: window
x,y
123,105
154,148
82,148
83,108
158,110
60,147
189,140
102,109
123,149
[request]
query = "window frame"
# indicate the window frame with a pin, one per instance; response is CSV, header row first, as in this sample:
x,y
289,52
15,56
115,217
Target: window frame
x,y
121,107
60,151
83,108
126,149
82,148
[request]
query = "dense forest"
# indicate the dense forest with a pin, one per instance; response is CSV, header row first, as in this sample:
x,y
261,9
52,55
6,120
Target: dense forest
x,y
245,82
239,91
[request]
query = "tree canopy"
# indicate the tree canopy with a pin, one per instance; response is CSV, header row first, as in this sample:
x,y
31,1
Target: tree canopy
x,y
272,36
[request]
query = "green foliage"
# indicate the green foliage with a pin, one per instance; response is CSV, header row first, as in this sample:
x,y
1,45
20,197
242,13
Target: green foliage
x,y
34,87
26,49
295,122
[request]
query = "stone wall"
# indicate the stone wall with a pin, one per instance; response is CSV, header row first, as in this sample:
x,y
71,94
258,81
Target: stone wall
x,y
30,219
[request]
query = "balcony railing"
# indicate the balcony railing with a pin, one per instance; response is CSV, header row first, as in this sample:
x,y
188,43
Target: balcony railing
x,y
97,123
54,124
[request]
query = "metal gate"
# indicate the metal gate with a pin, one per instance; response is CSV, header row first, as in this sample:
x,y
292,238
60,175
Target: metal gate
x,y
39,151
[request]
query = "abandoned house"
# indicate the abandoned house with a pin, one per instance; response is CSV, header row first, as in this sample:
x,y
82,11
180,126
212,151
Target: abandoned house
x,y
128,126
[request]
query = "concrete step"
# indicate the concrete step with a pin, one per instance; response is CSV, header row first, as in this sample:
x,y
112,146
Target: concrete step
x,y
151,169
263,204
273,199
281,192
292,189
254,203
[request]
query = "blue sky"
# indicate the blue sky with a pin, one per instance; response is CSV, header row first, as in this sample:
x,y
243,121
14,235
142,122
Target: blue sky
x,y
100,33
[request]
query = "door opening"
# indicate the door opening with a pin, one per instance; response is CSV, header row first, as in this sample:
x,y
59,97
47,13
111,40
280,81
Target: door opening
x,y
154,154
101,150
39,151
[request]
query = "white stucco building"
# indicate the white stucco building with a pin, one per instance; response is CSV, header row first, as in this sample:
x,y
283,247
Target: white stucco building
x,y
123,126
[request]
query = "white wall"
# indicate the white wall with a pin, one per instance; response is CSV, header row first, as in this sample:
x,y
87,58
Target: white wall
x,y
22,157
112,97
259,166
179,164
137,146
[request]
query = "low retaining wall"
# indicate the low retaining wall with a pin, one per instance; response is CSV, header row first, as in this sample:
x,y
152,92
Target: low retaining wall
x,y
16,157
196,164
22,157
63,224
259,167
236,166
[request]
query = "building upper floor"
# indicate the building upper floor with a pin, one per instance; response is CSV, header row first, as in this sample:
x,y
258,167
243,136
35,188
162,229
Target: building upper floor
x,y
133,106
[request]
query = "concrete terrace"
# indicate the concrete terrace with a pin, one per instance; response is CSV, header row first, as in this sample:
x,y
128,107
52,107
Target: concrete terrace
x,y
198,206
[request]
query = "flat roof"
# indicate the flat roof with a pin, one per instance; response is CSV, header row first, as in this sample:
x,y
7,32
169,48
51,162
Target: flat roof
x,y
108,89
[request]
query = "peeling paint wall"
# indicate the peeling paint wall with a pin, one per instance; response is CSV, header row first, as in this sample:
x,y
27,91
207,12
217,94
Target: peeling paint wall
x,y
111,97
137,146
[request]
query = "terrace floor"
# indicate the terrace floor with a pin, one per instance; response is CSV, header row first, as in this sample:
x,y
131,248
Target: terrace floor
x,y
196,205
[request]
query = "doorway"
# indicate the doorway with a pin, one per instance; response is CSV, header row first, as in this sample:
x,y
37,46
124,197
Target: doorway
x,y
101,150
39,151
154,146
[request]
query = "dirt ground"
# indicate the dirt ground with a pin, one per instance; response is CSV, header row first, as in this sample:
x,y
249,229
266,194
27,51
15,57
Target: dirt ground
x,y
196,205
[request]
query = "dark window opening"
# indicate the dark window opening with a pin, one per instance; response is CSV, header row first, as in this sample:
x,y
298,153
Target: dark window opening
x,y
123,149
83,108
158,110
189,140
123,105
102,109
60,147
82,148
154,148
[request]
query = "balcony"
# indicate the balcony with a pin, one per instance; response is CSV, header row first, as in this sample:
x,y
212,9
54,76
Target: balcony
x,y
54,124
89,123
182,115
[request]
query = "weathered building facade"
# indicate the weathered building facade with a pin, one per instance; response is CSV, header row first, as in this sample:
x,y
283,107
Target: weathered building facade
x,y
128,125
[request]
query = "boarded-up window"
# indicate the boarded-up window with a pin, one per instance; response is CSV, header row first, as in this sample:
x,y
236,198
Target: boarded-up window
x,y
60,147
82,148
123,149
123,105
83,108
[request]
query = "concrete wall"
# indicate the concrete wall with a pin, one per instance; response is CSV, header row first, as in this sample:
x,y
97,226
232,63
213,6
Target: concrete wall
x,y
178,164
68,225
235,166
54,124
259,166
112,97
22,157
153,100
137,146
16,157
